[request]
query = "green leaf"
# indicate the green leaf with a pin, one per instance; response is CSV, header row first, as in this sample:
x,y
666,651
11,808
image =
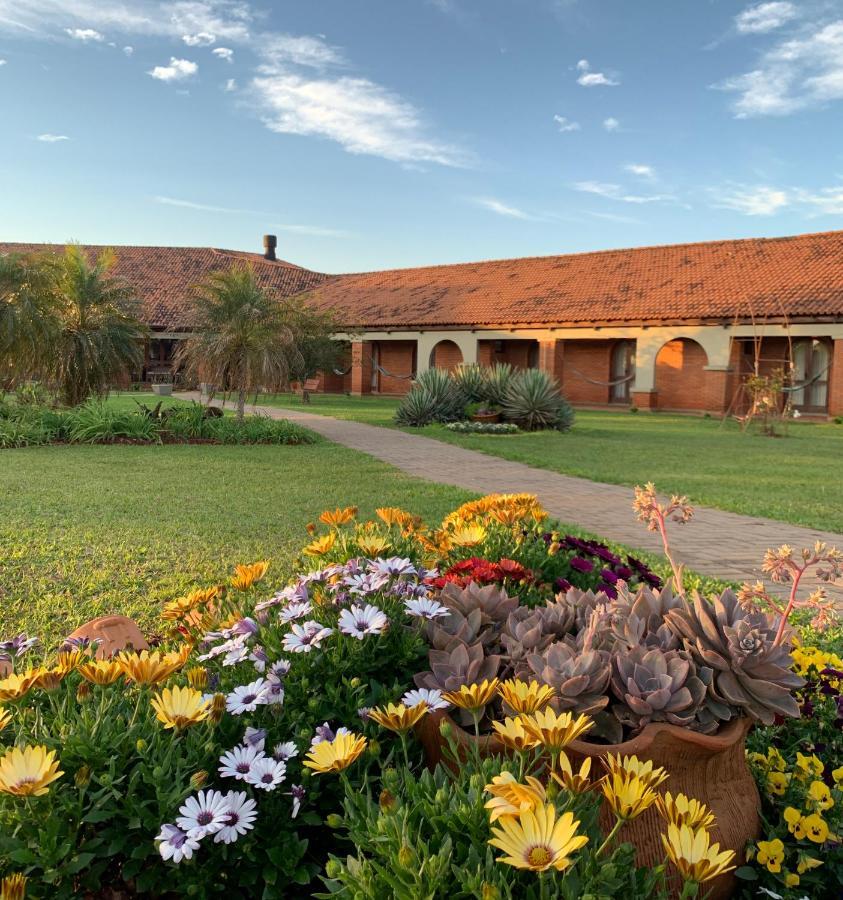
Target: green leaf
x,y
747,873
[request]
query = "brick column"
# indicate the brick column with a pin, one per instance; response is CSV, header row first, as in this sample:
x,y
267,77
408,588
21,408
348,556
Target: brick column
x,y
645,399
361,367
551,354
835,380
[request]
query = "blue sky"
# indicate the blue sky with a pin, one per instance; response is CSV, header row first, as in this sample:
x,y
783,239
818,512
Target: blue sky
x,y
382,133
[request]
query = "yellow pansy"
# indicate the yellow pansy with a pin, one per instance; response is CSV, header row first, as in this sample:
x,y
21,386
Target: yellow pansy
x,y
777,783
806,863
771,855
819,796
793,817
813,827
807,767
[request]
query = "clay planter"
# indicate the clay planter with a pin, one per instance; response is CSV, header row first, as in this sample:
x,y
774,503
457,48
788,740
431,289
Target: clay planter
x,y
114,634
491,418
711,768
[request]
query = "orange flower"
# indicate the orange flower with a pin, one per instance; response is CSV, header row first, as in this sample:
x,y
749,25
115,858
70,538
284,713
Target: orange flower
x,y
246,576
337,517
321,545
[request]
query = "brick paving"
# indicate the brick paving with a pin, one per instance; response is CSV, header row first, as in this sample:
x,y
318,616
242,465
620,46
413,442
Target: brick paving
x,y
721,544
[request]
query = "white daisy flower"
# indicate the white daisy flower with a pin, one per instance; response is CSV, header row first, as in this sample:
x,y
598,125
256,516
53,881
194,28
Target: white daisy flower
x,y
432,697
254,737
280,667
297,792
285,751
175,844
395,566
296,609
324,732
238,762
424,608
246,697
203,814
267,773
241,814
274,692
303,638
362,620
238,650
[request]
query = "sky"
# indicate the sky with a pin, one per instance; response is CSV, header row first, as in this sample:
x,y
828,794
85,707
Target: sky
x,y
386,133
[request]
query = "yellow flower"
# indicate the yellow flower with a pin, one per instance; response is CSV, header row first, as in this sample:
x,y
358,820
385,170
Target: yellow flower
x,y
837,776
15,686
101,671
397,717
806,863
5,718
813,827
181,607
509,797
392,515
146,667
197,677
793,817
337,517
771,855
473,697
13,887
511,734
321,545
27,772
628,795
372,545
575,782
538,840
180,707
335,755
791,879
650,774
49,679
682,810
807,767
696,859
819,796
777,783
525,697
245,576
556,730
467,536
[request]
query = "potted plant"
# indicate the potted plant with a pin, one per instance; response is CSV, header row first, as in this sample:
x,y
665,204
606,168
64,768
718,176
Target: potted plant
x,y
483,412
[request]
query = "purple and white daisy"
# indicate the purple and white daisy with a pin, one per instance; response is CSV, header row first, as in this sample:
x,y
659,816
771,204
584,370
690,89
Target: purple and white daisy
x,y
280,667
175,844
255,737
246,697
267,773
297,792
363,712
295,609
203,814
394,566
423,608
285,751
237,652
239,819
431,696
303,638
362,620
246,626
238,762
274,691
324,732
259,658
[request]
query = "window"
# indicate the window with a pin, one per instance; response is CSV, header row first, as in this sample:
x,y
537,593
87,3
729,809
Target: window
x,y
810,374
623,370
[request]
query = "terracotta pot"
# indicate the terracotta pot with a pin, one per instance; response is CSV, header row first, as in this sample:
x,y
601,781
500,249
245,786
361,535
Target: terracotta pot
x,y
489,418
114,633
711,768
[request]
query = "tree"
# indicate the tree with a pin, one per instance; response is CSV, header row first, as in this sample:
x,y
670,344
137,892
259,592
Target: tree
x,y
313,329
95,338
246,339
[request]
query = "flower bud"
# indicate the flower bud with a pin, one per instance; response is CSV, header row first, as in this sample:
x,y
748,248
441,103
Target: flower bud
x,y
197,677
333,868
198,780
445,729
83,692
140,745
82,777
406,856
217,709
441,797
387,801
489,892
355,682
374,747
334,821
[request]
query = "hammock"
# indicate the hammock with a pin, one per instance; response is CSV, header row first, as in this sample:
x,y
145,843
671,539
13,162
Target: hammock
x,y
793,388
585,377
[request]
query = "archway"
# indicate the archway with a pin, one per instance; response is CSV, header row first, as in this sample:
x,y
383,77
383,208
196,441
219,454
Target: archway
x,y
681,375
445,355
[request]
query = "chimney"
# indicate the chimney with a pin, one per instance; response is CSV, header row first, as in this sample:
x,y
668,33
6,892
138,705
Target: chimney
x,y
270,242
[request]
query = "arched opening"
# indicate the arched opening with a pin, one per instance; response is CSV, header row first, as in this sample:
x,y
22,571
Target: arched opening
x,y
681,376
622,371
445,355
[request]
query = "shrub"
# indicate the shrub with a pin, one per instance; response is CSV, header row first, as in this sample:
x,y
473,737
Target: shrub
x,y
417,409
435,397
497,381
97,423
532,400
471,380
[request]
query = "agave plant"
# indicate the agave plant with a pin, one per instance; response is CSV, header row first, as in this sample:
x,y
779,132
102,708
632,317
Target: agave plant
x,y
417,409
497,379
435,397
471,380
750,671
532,400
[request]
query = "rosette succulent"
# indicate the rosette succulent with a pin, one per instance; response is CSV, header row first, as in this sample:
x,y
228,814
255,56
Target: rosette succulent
x,y
492,601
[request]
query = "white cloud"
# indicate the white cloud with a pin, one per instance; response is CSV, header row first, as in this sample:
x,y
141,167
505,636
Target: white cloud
x,y
764,200
641,170
299,50
225,53
593,79
177,70
230,85
765,17
501,209
201,39
84,34
566,124
616,192
3,62
52,138
360,115
614,217
611,124
796,73
757,201
128,50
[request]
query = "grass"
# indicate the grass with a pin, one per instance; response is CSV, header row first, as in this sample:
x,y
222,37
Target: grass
x,y
794,479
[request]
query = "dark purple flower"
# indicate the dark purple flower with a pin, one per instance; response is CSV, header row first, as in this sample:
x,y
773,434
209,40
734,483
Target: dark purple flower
x,y
607,589
609,576
562,584
581,565
623,572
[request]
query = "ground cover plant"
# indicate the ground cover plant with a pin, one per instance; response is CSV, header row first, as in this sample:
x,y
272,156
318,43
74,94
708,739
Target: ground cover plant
x,y
712,463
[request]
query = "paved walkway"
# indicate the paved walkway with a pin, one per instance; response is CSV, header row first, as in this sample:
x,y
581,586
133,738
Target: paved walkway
x,y
717,543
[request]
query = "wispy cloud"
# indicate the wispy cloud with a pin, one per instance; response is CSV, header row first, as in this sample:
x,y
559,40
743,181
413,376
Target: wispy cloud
x,y
205,207
614,217
200,39
177,70
611,124
85,34
765,200
52,138
765,17
3,62
230,85
299,50
796,73
616,192
641,170
588,78
225,53
501,209
566,124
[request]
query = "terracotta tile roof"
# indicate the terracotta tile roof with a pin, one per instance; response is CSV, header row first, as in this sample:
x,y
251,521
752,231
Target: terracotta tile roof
x,y
165,276
800,277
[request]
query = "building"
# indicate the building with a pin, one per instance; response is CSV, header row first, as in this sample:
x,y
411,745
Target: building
x,y
675,327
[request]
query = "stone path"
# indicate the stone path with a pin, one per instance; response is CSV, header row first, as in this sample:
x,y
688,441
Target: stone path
x,y
717,543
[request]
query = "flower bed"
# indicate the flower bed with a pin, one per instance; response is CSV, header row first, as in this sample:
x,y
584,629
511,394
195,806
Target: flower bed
x,y
479,427
266,748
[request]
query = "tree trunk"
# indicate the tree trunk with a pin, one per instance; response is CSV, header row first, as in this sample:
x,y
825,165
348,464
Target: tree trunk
x,y
241,404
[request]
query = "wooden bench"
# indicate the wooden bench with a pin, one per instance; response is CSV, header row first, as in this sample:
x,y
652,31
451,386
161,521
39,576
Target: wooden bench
x,y
312,384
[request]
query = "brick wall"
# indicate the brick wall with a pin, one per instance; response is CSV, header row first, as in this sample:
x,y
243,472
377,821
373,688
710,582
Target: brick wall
x,y
683,383
591,359
398,358
447,355
514,352
361,367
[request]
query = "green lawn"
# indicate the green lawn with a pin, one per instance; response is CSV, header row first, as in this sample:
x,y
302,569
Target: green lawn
x,y
795,479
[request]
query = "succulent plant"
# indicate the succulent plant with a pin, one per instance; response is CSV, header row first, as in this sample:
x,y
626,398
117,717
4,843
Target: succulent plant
x,y
750,671
532,399
448,632
492,601
524,634
577,605
580,679
656,686
639,618
464,665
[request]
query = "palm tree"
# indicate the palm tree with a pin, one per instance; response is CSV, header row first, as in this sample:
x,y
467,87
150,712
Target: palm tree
x,y
244,338
96,338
